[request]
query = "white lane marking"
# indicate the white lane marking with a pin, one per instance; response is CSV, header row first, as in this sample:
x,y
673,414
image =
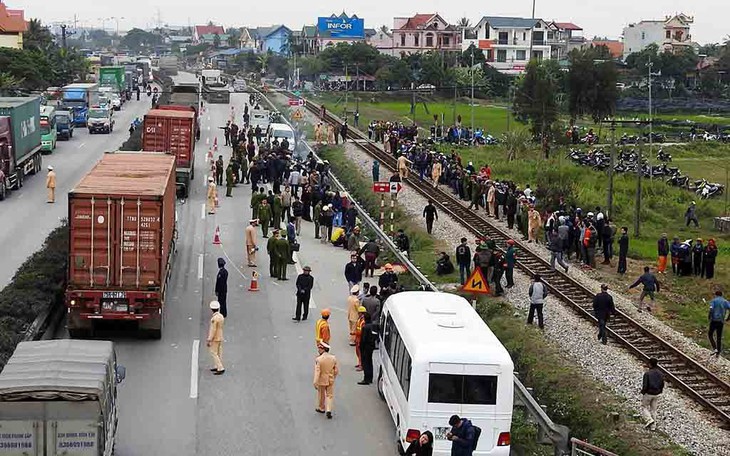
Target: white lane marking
x,y
208,117
81,145
194,369
202,211
207,141
200,266
298,267
205,180
208,127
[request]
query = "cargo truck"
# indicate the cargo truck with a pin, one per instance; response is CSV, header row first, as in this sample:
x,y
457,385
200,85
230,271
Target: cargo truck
x,y
122,237
64,125
20,141
186,95
168,65
173,131
60,398
113,77
49,135
78,98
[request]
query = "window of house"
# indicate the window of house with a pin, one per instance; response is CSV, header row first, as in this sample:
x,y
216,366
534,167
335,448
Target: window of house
x,y
520,54
429,40
490,55
669,34
415,40
501,55
524,36
403,39
537,25
537,55
551,35
446,41
643,35
503,37
486,32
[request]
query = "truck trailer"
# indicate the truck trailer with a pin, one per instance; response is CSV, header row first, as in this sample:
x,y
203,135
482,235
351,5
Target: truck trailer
x,y
112,76
122,237
78,98
60,398
20,141
173,131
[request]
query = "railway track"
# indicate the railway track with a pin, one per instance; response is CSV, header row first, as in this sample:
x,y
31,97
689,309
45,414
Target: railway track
x,y
684,372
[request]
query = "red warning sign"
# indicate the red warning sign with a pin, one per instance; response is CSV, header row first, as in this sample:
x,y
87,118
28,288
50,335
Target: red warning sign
x,y
476,283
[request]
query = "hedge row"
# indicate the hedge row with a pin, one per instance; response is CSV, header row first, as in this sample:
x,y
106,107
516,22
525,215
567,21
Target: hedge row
x,y
37,286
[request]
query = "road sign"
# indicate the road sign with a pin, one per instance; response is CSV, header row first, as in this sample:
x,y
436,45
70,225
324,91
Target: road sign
x,y
476,283
297,115
297,93
381,187
296,102
395,187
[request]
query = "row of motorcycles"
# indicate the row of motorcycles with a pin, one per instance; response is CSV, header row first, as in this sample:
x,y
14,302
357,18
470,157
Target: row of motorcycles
x,y
627,161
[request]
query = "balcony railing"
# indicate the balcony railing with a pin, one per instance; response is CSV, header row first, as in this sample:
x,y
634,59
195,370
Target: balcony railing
x,y
538,42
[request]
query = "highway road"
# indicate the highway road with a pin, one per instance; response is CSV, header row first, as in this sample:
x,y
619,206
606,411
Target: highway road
x,y
27,217
171,404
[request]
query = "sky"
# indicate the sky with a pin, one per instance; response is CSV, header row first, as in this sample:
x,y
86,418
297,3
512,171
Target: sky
x,y
598,18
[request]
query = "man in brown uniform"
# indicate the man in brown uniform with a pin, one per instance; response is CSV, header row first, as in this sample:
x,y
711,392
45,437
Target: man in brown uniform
x,y
325,371
215,338
251,242
352,314
212,195
51,185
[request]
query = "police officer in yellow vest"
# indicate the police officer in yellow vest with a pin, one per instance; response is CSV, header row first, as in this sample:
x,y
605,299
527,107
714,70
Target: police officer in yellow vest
x,y
215,338
325,372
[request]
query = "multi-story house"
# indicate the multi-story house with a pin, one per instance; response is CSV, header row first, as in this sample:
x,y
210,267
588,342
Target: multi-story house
x,y
274,39
424,32
507,42
563,37
12,26
200,31
383,41
671,34
245,40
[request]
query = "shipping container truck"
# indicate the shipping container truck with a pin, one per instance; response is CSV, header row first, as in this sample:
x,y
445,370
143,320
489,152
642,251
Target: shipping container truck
x,y
49,135
186,96
60,398
78,98
20,141
122,237
173,131
112,76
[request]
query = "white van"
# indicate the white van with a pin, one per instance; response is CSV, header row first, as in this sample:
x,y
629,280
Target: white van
x,y
260,118
280,131
437,359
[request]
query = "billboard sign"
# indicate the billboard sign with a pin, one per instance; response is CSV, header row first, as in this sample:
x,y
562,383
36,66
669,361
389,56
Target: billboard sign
x,y
341,27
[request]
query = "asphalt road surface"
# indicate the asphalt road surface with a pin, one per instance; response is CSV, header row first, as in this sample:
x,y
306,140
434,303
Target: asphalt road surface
x,y
171,404
28,219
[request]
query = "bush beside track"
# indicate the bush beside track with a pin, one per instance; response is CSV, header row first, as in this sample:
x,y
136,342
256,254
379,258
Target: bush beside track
x,y
37,287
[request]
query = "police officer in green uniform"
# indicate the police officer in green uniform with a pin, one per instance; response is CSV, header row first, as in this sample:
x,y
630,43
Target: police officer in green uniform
x,y
282,250
277,209
315,218
271,250
256,198
264,217
229,180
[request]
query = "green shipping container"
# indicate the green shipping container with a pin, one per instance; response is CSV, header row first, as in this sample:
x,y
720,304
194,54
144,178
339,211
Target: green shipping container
x,y
25,119
112,76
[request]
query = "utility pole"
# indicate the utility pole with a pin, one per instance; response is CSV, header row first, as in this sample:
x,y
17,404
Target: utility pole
x,y
639,172
532,29
63,35
651,122
454,105
357,87
610,169
413,101
472,90
346,92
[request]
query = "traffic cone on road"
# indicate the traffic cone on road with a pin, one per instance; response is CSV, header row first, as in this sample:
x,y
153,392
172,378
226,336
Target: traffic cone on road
x,y
254,286
217,236
210,154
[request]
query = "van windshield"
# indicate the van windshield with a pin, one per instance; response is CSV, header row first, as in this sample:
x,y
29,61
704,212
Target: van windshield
x,y
462,389
283,134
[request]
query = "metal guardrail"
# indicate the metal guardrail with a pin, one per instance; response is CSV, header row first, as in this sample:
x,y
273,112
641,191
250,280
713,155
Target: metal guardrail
x,y
581,448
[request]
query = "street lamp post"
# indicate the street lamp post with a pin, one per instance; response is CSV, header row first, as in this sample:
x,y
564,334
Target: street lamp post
x,y
472,91
610,168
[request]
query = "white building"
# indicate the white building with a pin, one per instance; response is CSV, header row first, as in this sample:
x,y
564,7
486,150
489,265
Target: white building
x,y
506,42
671,34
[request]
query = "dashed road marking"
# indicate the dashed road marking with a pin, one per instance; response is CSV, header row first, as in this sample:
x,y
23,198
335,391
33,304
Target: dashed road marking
x,y
200,266
202,211
194,369
81,145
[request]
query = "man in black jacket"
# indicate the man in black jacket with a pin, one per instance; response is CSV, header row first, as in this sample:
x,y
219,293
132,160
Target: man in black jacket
x,y
221,286
353,272
305,283
603,307
623,250
367,345
652,386
429,212
463,259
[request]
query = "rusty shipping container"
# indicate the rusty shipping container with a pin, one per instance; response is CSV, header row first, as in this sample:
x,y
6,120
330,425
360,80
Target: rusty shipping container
x,y
122,241
173,132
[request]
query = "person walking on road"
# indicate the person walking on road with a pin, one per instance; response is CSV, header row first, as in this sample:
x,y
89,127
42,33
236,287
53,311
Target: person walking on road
x,y
325,372
652,385
367,346
322,328
219,171
221,286
717,316
429,212
256,198
229,180
353,272
251,243
603,307
403,164
555,246
353,303
372,304
623,250
297,210
537,292
211,196
214,341
265,217
51,185
651,286
305,283
436,170
463,259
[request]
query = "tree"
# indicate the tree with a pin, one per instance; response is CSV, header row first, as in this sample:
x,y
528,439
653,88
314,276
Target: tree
x,y
37,36
263,61
592,84
384,29
465,57
517,142
216,41
536,96
464,23
137,40
433,71
8,81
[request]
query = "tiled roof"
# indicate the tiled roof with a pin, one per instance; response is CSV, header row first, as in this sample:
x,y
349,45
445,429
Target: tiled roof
x,y
209,29
616,48
309,31
567,26
510,22
12,21
417,21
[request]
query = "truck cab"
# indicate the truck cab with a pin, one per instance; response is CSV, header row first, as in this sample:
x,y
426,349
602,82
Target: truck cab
x,y
59,397
100,120
64,125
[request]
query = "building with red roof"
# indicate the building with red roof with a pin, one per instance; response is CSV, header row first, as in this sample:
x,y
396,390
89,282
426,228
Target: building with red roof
x,y
424,32
202,30
12,27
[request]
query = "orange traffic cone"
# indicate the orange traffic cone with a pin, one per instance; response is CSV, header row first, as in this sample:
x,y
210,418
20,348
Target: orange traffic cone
x,y
254,286
217,236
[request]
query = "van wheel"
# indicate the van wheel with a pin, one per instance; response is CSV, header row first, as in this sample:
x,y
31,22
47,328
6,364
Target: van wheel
x,y
381,391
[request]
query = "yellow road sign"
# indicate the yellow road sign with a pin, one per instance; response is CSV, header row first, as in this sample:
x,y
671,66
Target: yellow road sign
x,y
476,283
297,115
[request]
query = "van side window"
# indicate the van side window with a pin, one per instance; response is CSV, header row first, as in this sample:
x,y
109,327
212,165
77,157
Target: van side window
x,y
398,354
462,389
